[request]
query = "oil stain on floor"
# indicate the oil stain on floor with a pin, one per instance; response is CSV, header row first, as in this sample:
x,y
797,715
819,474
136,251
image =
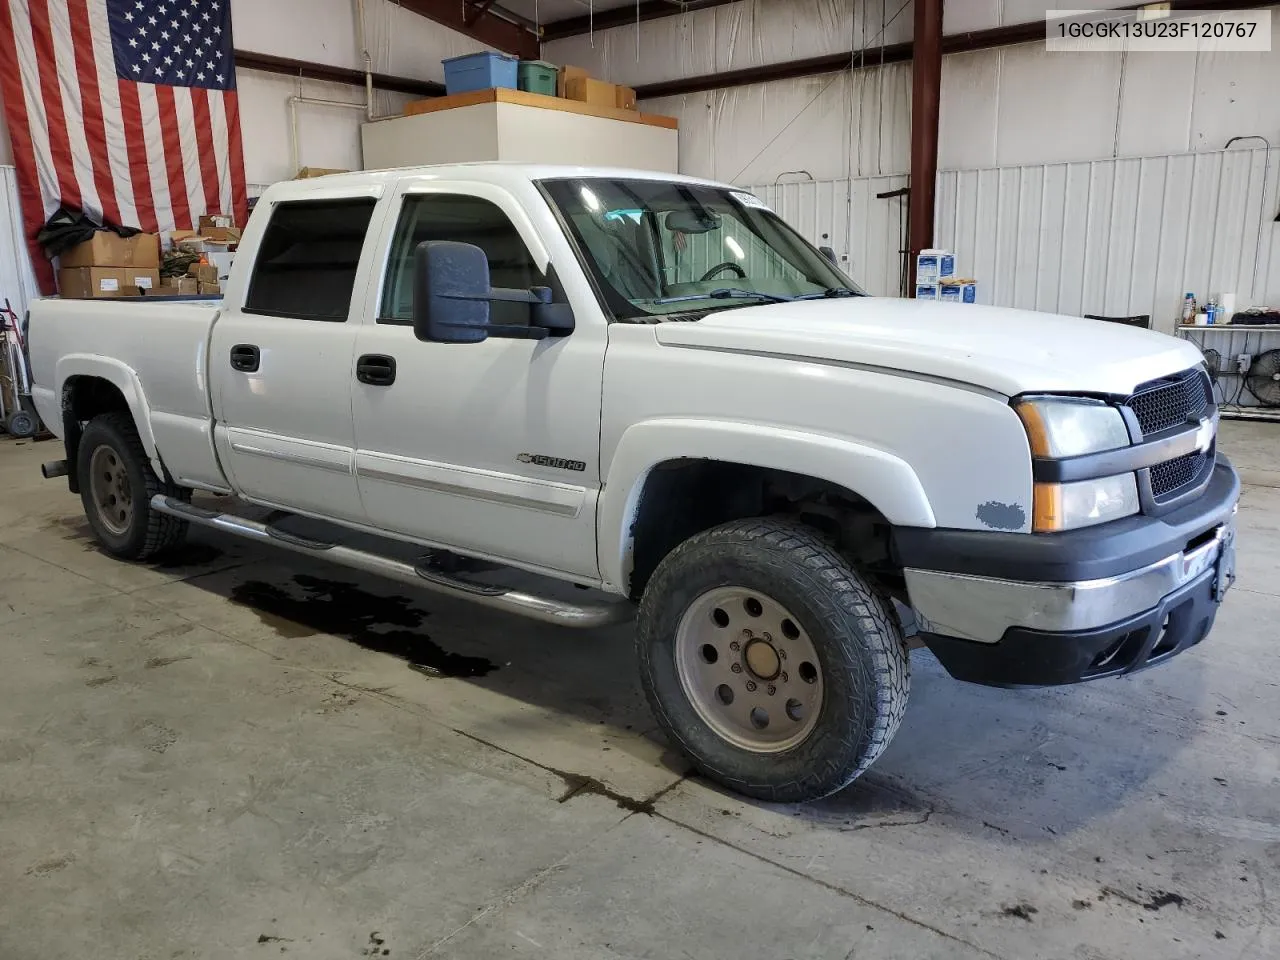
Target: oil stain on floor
x,y
384,624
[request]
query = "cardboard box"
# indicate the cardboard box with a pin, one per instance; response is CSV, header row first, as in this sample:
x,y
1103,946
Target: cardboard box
x,y
595,92
220,234
215,221
210,289
107,249
222,261
926,291
85,283
140,282
98,283
934,265
567,74
308,172
958,291
625,98
194,243
203,272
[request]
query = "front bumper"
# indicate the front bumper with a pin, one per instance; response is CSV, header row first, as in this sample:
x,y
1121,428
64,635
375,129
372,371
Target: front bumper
x,y
1136,592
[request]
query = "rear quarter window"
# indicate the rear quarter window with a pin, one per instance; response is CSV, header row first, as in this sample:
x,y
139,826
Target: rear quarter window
x,y
308,257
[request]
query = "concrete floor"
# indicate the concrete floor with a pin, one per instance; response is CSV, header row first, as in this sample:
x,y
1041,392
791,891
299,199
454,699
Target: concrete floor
x,y
238,754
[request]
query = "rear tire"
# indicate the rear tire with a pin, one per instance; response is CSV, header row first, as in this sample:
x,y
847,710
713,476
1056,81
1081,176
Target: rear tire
x,y
116,487
770,662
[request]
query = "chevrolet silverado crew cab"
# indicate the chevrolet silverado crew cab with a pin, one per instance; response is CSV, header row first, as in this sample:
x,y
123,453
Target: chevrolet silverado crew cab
x,y
652,387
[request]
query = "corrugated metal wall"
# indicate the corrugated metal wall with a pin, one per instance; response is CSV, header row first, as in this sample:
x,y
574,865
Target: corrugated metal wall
x,y
845,215
1117,237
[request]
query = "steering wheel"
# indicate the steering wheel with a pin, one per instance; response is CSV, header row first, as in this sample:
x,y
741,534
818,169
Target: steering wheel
x,y
727,265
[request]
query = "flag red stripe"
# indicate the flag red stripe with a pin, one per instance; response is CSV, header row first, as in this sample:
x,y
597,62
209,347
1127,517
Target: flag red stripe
x,y
24,154
51,93
235,158
172,145
91,105
205,146
135,142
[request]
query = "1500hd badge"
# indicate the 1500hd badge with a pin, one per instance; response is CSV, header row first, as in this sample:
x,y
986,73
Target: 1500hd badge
x,y
555,463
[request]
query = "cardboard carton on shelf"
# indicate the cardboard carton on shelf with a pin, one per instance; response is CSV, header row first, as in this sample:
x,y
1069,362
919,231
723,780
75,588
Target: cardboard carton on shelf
x,y
625,98
596,93
307,173
568,74
107,249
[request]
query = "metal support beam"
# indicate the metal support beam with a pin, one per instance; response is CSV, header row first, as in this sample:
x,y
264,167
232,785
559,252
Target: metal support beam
x,y
926,94
475,10
491,27
285,66
623,16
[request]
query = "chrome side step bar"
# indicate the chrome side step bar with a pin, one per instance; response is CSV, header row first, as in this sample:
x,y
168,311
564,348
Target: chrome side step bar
x,y
488,595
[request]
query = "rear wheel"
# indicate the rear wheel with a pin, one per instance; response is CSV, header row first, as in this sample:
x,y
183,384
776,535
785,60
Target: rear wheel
x,y
116,487
770,662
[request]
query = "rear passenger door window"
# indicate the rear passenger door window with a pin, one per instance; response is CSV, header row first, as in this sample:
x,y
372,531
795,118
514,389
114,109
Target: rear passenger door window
x,y
463,219
308,257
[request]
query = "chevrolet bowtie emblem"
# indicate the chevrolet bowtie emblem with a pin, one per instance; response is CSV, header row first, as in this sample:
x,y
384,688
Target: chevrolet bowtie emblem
x,y
1204,435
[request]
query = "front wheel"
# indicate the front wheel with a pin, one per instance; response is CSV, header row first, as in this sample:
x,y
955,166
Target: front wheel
x,y
770,662
116,487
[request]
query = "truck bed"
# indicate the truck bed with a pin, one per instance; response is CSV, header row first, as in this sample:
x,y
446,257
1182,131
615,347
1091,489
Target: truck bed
x,y
153,350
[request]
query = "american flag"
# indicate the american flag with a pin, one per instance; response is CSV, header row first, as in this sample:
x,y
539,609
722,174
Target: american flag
x,y
126,109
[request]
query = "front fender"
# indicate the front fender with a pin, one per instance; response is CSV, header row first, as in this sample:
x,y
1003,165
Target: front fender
x,y
887,482
125,380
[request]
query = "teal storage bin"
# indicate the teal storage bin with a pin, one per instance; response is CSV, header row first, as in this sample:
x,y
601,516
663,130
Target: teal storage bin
x,y
479,71
538,76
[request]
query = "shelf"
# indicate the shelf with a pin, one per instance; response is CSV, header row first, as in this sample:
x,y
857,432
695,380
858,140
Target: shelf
x,y
1228,327
539,100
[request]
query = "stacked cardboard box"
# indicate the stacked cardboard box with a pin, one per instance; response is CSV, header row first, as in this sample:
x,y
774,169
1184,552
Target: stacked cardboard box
x,y
109,265
576,84
215,242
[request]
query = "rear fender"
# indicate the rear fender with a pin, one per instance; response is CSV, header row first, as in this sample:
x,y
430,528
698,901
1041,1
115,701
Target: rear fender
x,y
886,481
126,381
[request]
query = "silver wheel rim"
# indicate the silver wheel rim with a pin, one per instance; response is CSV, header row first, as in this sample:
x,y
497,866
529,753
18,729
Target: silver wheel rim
x,y
109,485
749,669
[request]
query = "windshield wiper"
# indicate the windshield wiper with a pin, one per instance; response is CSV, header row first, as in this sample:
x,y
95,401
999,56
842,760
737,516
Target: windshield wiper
x,y
726,293
832,293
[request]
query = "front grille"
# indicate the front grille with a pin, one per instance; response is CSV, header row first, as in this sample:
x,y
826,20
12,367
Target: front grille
x,y
1172,401
1172,475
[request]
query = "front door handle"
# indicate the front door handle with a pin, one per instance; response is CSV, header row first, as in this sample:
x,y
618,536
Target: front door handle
x,y
376,370
245,357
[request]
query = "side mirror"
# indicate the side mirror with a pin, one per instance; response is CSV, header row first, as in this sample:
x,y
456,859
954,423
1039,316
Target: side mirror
x,y
450,292
829,253
452,297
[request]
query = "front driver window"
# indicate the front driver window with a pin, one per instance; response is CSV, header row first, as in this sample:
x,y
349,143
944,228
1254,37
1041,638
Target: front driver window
x,y
435,216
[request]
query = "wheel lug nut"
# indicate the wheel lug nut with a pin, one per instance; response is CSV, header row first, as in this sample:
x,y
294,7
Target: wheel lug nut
x,y
751,686
782,654
772,689
735,645
736,668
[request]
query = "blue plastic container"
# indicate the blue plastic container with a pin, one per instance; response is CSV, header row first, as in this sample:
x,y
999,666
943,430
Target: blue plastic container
x,y
480,71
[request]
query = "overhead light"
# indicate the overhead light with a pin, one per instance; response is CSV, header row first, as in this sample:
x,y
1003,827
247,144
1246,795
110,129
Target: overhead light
x,y
735,248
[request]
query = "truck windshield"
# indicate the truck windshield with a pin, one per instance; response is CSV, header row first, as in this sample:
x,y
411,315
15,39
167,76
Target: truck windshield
x,y
657,248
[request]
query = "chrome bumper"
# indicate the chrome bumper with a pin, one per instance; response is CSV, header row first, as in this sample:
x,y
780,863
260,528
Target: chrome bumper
x,y
985,608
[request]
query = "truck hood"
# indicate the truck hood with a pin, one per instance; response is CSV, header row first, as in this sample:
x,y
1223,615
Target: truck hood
x,y
1009,351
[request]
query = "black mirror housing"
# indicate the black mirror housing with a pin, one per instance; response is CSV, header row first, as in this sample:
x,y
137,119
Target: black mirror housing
x,y
450,292
829,253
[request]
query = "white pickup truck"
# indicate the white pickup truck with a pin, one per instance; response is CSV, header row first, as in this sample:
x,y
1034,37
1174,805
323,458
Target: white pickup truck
x,y
652,386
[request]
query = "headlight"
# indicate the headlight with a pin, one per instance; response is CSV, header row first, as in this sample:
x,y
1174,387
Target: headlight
x,y
1063,427
1070,426
1068,506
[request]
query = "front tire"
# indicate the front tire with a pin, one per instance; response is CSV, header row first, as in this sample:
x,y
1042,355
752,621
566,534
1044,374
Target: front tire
x,y
116,487
770,662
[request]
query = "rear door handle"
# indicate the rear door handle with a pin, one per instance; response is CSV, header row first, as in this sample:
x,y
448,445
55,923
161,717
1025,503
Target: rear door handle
x,y
246,357
376,369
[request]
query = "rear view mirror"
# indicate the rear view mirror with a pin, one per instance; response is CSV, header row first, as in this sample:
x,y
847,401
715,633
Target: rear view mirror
x,y
450,292
688,221
829,253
